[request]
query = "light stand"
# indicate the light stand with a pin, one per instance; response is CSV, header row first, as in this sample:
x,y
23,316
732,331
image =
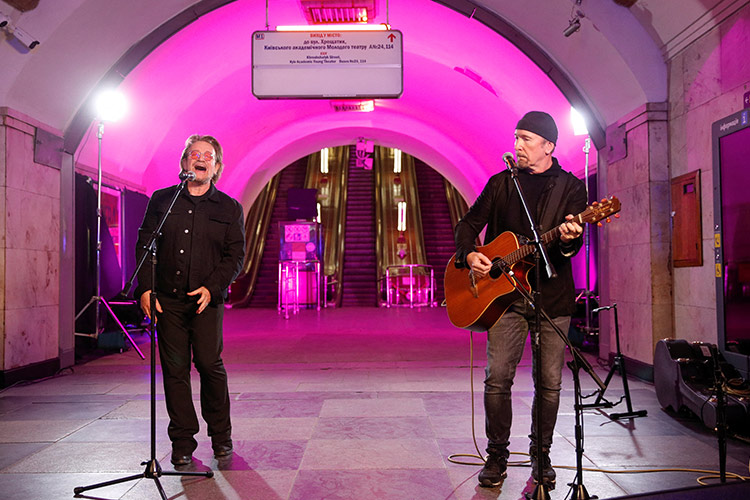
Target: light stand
x,y
579,128
97,300
587,238
153,469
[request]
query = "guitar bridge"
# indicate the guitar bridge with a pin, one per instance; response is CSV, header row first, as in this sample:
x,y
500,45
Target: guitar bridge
x,y
473,284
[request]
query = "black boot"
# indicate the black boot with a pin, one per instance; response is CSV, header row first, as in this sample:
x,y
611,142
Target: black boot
x,y
548,473
493,472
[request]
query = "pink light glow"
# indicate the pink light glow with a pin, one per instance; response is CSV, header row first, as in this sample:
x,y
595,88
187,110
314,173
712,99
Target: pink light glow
x,y
446,119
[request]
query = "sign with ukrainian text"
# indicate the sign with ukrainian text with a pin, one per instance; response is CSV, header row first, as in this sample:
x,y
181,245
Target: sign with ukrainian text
x,y
327,64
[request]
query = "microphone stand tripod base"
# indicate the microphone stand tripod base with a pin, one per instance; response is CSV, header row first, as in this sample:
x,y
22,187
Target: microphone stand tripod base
x,y
580,493
541,492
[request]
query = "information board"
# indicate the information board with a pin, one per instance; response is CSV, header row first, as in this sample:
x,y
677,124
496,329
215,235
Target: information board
x,y
327,64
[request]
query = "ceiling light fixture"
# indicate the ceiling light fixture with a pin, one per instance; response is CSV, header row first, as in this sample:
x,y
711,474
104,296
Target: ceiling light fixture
x,y
575,22
334,27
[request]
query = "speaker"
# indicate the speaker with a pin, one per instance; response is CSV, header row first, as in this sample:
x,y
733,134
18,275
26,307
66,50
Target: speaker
x,y
302,204
738,490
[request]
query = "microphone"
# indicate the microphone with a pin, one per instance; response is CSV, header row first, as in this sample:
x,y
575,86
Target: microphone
x,y
187,176
509,161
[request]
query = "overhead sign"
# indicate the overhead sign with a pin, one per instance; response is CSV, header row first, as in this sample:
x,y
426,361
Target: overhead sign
x,y
327,64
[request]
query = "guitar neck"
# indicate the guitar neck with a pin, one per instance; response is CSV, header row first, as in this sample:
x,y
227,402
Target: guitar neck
x,y
526,250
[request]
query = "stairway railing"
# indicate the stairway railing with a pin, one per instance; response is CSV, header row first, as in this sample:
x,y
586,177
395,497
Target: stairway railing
x,y
396,248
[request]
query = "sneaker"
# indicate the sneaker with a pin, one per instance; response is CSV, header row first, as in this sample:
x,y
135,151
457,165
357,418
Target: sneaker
x,y
548,473
493,472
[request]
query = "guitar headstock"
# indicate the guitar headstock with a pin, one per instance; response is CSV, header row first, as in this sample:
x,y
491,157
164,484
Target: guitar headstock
x,y
601,210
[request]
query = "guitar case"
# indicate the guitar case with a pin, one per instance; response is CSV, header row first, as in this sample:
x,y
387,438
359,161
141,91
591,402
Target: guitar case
x,y
684,379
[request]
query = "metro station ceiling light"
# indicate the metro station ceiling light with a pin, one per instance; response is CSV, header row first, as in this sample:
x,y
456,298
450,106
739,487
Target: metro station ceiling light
x,y
338,11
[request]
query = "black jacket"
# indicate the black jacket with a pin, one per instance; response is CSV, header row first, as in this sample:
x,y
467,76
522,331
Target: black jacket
x,y
202,243
499,208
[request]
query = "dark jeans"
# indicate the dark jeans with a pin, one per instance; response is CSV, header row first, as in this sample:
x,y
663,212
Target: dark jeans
x,y
183,335
505,344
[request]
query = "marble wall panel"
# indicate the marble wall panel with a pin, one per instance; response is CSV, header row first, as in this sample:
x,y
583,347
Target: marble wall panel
x,y
3,149
635,329
696,286
695,323
658,149
632,227
707,206
735,40
678,163
633,169
660,209
662,327
675,71
698,138
702,70
31,335
31,278
630,276
23,173
33,221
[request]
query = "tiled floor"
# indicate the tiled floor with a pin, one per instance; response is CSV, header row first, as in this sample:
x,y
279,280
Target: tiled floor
x,y
340,404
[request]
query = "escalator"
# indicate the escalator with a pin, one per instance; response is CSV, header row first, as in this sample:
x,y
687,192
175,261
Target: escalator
x,y
265,291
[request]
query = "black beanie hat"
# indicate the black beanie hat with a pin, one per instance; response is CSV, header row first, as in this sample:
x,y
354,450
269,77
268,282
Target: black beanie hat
x,y
540,123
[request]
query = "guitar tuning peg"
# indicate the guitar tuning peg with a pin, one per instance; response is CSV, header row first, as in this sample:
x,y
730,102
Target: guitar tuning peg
x,y
609,220
599,224
595,203
617,216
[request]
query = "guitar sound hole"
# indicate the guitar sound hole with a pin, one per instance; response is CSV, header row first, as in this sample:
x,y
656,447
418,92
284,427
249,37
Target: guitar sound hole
x,y
496,271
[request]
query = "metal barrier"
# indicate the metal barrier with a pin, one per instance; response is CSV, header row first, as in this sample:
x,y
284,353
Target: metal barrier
x,y
409,289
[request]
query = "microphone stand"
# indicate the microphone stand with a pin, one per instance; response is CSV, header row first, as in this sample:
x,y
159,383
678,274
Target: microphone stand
x,y
541,491
152,467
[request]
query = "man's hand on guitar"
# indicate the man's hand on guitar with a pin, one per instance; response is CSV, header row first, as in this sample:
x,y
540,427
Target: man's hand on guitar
x,y
479,263
569,230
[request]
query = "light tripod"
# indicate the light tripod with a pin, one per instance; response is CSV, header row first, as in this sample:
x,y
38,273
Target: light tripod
x,y
97,300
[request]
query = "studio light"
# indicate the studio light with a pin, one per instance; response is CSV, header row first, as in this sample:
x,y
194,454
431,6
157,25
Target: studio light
x,y
575,20
575,25
110,106
578,122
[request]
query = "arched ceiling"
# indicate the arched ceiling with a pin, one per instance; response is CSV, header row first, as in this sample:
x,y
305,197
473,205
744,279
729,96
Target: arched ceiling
x,y
199,80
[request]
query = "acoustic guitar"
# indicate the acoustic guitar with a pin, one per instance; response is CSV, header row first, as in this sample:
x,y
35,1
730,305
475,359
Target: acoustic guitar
x,y
476,303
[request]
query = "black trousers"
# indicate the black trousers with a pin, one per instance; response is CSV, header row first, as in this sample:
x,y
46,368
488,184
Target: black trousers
x,y
184,335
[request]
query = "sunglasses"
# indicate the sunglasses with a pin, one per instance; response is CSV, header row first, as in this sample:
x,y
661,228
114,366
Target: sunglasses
x,y
196,155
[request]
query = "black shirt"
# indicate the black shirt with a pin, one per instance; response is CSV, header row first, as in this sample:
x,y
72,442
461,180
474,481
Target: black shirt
x,y
202,243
